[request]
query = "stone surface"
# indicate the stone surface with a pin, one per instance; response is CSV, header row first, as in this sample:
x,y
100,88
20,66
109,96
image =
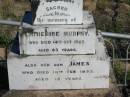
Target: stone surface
x,y
97,75
59,12
88,21
58,72
60,39
45,41
113,91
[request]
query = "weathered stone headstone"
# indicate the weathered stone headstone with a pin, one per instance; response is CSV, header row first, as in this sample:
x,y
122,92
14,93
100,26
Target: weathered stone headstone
x,y
60,71
60,39
60,56
57,11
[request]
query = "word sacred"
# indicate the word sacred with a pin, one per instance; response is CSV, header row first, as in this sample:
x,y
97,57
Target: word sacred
x,y
68,1
62,8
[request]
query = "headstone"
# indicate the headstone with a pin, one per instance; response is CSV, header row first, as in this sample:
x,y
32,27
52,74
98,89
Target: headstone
x,y
58,72
53,56
66,71
58,11
112,91
58,41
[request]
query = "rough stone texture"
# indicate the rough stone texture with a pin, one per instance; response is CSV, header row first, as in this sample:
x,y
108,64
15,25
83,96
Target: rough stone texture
x,y
113,91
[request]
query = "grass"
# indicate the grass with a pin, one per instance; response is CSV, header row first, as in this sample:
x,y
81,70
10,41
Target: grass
x,y
128,76
5,39
119,69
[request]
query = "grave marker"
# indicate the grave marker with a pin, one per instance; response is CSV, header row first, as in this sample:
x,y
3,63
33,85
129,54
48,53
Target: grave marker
x,y
58,41
55,56
58,72
58,12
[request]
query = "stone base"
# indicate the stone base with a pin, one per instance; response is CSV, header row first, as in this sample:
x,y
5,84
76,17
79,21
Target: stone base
x,y
65,93
113,91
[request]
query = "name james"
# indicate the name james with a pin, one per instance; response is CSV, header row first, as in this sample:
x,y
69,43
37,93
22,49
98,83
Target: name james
x,y
72,63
